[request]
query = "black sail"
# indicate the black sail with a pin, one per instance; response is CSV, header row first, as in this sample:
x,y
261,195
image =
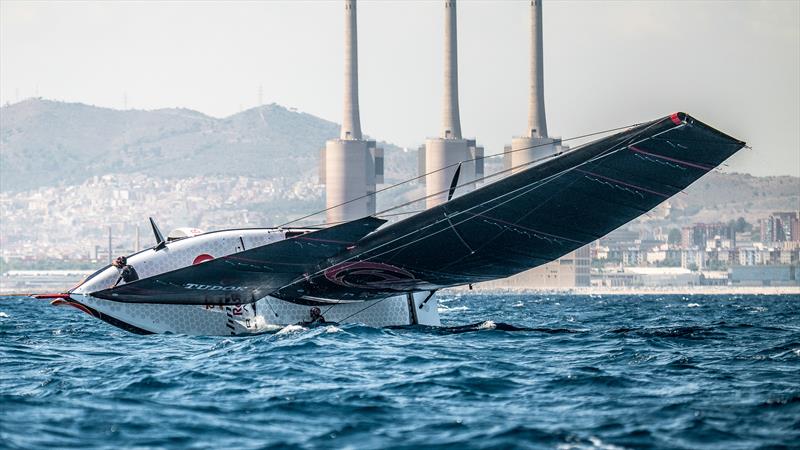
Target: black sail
x,y
527,219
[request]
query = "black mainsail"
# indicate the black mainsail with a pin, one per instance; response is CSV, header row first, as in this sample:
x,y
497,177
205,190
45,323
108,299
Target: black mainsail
x,y
530,218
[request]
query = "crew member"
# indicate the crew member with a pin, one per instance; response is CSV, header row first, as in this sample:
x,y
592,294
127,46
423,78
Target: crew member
x,y
316,316
127,273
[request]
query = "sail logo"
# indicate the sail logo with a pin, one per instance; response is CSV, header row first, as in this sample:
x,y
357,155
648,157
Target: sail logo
x,y
209,287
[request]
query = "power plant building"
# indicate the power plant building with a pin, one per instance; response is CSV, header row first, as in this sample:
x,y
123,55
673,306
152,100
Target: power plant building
x,y
350,167
440,156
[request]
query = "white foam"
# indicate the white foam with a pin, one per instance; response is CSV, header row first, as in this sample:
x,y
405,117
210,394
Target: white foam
x,y
332,329
291,329
488,325
594,444
518,305
693,305
444,309
597,443
2,314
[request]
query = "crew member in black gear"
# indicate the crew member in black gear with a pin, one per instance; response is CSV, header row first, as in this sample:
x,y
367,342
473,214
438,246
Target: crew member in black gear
x,y
316,316
127,273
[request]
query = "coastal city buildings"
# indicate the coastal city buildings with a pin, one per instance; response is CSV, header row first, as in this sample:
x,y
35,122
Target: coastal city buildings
x,y
730,254
70,224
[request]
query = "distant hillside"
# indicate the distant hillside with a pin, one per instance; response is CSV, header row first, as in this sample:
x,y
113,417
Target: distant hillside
x,y
48,143
722,196
45,143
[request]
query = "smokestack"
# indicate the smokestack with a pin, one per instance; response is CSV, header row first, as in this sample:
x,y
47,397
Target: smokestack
x,y
350,166
534,146
537,123
351,123
451,122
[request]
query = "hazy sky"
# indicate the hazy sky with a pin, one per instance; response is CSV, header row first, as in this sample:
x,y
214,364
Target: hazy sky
x,y
734,65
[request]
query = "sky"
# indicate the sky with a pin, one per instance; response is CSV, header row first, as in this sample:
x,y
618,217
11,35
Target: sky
x,y
734,65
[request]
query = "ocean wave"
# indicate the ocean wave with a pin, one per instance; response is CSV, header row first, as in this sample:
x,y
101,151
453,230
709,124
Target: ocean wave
x,y
496,376
447,310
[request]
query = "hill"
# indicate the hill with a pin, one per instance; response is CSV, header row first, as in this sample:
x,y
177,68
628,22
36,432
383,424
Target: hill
x,y
46,143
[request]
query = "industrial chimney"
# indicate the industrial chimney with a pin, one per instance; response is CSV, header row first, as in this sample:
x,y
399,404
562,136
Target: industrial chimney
x,y
534,145
451,121
351,122
450,148
350,166
537,123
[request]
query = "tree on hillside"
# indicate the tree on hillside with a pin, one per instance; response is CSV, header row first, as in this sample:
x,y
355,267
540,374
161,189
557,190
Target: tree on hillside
x,y
740,225
674,236
743,225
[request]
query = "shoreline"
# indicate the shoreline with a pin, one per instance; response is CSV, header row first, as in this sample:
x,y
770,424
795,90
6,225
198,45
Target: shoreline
x,y
666,290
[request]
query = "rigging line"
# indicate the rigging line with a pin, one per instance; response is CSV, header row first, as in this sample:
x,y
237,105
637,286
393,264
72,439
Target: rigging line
x,y
328,309
527,188
453,165
402,213
375,215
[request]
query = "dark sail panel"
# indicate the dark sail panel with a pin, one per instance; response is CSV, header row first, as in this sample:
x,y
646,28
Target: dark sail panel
x,y
529,218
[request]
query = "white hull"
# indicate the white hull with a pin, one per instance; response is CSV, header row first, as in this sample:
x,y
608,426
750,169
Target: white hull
x,y
265,315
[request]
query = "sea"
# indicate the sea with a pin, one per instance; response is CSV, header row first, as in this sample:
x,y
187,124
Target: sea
x,y
507,371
